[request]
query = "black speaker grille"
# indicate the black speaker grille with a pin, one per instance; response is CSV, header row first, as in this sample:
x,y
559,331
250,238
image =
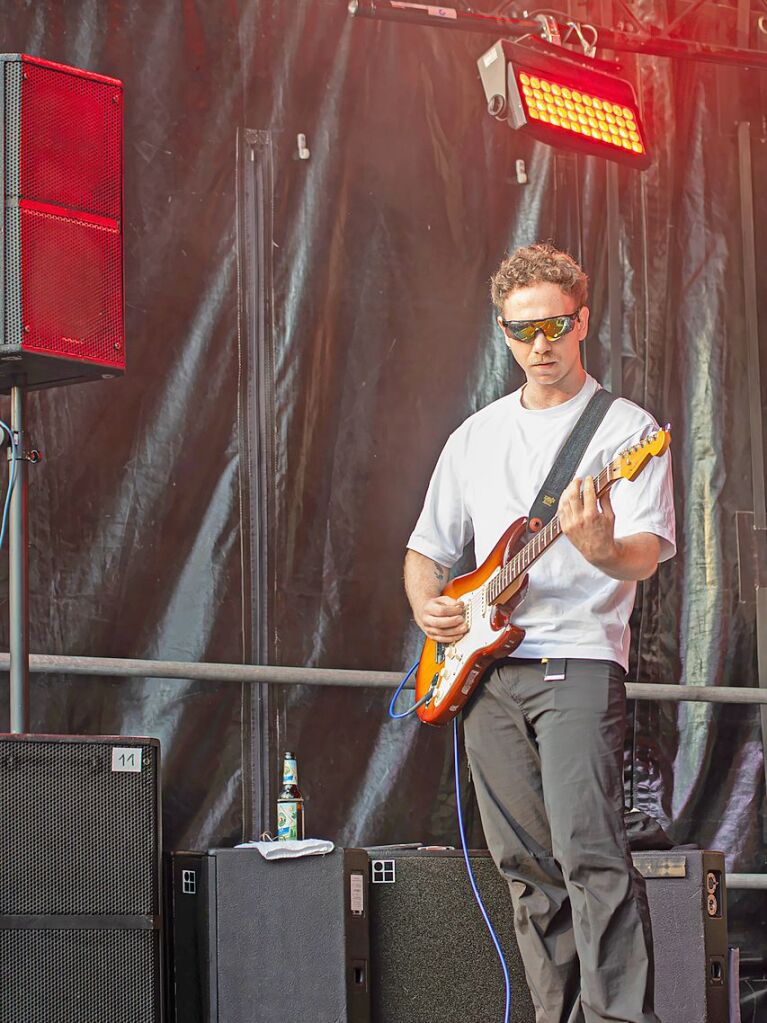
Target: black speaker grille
x,y
79,976
76,837
431,955
12,125
14,333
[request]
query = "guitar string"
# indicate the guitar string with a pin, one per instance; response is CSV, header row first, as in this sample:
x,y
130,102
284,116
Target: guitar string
x,y
518,564
533,550
489,592
522,560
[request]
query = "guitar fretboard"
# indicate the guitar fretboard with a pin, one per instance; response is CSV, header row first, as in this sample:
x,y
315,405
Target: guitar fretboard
x,y
532,550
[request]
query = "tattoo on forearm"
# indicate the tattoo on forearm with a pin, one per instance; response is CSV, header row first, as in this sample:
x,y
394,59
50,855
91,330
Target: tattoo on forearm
x,y
440,573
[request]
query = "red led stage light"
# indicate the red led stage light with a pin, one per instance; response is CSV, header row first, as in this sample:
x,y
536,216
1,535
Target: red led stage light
x,y
564,102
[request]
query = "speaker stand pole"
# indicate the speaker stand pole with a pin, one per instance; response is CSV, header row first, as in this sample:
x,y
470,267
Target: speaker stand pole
x,y
18,581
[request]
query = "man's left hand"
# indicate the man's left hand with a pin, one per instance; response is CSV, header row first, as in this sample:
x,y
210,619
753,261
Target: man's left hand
x,y
589,525
588,522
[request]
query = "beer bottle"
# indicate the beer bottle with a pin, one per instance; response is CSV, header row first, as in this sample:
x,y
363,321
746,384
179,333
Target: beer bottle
x,y
290,803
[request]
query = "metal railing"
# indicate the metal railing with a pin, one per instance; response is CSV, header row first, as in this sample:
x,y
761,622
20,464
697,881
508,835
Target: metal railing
x,y
49,664
52,664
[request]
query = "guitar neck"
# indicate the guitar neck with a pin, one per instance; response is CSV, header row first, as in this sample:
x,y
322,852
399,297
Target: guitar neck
x,y
532,550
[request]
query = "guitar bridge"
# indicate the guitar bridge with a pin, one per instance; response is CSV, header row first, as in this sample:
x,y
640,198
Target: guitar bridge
x,y
439,655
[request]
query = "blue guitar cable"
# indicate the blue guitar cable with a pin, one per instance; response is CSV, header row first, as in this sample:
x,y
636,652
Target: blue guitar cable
x,y
411,710
11,479
457,761
470,872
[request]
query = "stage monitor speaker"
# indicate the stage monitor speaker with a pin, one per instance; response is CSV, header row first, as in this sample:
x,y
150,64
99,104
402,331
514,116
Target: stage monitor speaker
x,y
80,922
432,958
61,165
688,911
254,940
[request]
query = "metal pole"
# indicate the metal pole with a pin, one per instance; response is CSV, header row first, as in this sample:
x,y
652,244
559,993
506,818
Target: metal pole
x,y
257,418
753,384
749,882
116,667
18,582
614,283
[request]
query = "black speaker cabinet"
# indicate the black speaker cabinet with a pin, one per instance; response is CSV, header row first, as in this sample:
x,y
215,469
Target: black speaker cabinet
x,y
688,910
255,940
432,958
80,916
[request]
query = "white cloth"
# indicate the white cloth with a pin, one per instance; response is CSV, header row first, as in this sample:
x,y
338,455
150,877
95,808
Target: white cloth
x,y
290,850
489,474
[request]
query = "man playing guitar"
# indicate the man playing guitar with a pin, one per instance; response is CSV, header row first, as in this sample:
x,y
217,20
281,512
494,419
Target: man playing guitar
x,y
545,728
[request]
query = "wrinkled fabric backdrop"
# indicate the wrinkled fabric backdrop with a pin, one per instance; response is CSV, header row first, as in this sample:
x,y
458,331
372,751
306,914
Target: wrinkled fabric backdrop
x,y
302,336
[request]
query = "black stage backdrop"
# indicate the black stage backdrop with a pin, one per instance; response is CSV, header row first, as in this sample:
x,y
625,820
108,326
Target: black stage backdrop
x,y
302,336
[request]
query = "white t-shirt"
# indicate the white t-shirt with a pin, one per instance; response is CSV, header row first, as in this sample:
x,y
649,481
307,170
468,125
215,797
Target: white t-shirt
x,y
489,474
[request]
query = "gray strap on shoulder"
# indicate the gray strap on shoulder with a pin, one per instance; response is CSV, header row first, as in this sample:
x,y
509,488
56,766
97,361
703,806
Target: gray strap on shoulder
x,y
563,470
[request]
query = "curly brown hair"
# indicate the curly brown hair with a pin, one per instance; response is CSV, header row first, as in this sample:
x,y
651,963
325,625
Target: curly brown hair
x,y
538,264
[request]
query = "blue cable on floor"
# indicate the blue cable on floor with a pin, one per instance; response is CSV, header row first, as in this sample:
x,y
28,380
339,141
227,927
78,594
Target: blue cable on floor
x,y
470,872
456,756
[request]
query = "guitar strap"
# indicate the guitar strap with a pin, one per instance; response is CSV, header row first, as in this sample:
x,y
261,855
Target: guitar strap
x,y
563,470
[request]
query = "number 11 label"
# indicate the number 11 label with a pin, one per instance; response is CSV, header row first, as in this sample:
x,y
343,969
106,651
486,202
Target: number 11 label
x,y
126,758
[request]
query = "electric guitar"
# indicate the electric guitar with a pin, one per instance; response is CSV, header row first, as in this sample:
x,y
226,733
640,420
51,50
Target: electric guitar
x,y
448,673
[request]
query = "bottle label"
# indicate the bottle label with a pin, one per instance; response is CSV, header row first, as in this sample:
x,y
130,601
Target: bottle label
x,y
289,772
287,821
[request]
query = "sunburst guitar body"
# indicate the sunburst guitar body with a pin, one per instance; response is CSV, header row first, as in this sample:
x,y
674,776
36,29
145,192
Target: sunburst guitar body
x,y
448,673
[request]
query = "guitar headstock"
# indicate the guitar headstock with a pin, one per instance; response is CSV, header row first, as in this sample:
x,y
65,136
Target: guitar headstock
x,y
630,462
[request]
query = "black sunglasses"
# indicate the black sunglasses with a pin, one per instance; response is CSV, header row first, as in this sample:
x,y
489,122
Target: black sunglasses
x,y
553,327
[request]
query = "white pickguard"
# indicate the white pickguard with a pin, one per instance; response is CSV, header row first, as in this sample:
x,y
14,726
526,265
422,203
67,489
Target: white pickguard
x,y
481,634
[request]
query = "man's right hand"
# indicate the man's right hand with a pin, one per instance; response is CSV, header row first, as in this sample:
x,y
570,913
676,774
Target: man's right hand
x,y
442,619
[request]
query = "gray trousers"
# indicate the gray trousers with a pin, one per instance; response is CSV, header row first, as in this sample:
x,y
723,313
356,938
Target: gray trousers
x,y
547,762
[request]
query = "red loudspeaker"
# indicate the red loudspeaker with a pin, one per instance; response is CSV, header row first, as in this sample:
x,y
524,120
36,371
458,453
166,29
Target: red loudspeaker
x,y
61,190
